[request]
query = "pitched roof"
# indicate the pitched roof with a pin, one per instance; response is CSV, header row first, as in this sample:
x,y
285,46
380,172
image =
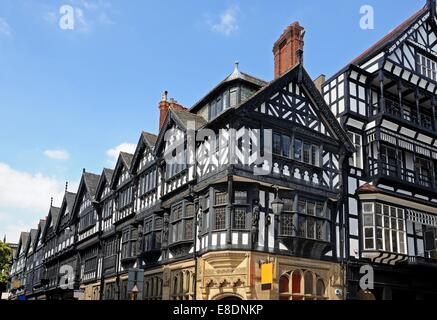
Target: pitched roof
x,y
32,237
24,237
70,198
183,117
91,181
108,174
127,158
42,224
54,211
149,138
389,38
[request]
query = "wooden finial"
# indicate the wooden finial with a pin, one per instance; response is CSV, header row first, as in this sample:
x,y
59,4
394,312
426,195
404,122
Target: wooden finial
x,y
51,201
66,186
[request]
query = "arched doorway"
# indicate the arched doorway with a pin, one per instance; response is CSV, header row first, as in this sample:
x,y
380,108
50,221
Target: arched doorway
x,y
228,297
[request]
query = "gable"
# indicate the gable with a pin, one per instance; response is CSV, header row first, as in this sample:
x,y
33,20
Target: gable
x,y
420,39
144,153
292,102
294,98
121,173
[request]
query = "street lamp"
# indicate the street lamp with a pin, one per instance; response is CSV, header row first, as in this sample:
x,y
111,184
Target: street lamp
x,y
277,204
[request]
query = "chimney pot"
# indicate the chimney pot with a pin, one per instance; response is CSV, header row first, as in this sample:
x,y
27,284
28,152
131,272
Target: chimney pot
x,y
164,105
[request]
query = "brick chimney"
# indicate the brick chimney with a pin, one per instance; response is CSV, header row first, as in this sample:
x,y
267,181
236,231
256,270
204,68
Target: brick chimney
x,y
286,48
164,105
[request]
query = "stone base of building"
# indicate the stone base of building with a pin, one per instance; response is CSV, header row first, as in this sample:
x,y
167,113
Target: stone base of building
x,y
231,275
90,291
237,275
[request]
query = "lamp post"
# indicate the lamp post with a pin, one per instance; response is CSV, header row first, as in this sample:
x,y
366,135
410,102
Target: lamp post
x,y
277,207
277,204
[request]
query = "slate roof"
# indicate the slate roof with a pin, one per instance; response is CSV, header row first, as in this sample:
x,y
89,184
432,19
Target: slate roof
x,y
108,174
149,138
127,158
42,224
91,181
183,117
70,198
54,211
24,237
32,237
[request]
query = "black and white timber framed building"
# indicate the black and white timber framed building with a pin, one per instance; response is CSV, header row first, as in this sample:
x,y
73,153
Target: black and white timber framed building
x,y
350,162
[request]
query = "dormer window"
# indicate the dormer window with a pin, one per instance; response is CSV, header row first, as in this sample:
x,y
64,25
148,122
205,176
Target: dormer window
x,y
227,99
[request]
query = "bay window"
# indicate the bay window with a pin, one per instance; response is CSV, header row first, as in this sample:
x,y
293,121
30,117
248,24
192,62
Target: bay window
x,y
128,243
384,228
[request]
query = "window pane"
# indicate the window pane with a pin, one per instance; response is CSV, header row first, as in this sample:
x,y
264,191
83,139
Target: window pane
x,y
240,218
276,144
220,198
286,146
306,152
220,218
297,149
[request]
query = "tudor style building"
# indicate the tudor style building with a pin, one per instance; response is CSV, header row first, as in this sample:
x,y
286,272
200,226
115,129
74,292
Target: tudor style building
x,y
386,100
303,181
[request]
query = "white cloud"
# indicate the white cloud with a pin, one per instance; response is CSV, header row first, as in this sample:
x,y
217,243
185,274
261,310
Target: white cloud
x,y
5,28
227,23
113,153
57,154
25,199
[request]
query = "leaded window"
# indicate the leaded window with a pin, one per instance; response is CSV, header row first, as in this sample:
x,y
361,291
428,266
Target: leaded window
x,y
182,222
220,198
220,218
240,218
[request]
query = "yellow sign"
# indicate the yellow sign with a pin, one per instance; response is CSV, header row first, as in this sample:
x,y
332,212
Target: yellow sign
x,y
16,283
266,274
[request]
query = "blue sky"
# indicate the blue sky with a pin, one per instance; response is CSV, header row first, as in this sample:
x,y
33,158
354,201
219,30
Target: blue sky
x,y
71,99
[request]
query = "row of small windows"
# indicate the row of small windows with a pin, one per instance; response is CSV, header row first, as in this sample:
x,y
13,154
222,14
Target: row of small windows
x,y
147,182
107,209
124,198
87,220
297,149
301,285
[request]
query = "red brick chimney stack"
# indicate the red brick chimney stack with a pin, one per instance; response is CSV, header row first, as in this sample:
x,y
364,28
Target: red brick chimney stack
x,y
286,49
165,105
